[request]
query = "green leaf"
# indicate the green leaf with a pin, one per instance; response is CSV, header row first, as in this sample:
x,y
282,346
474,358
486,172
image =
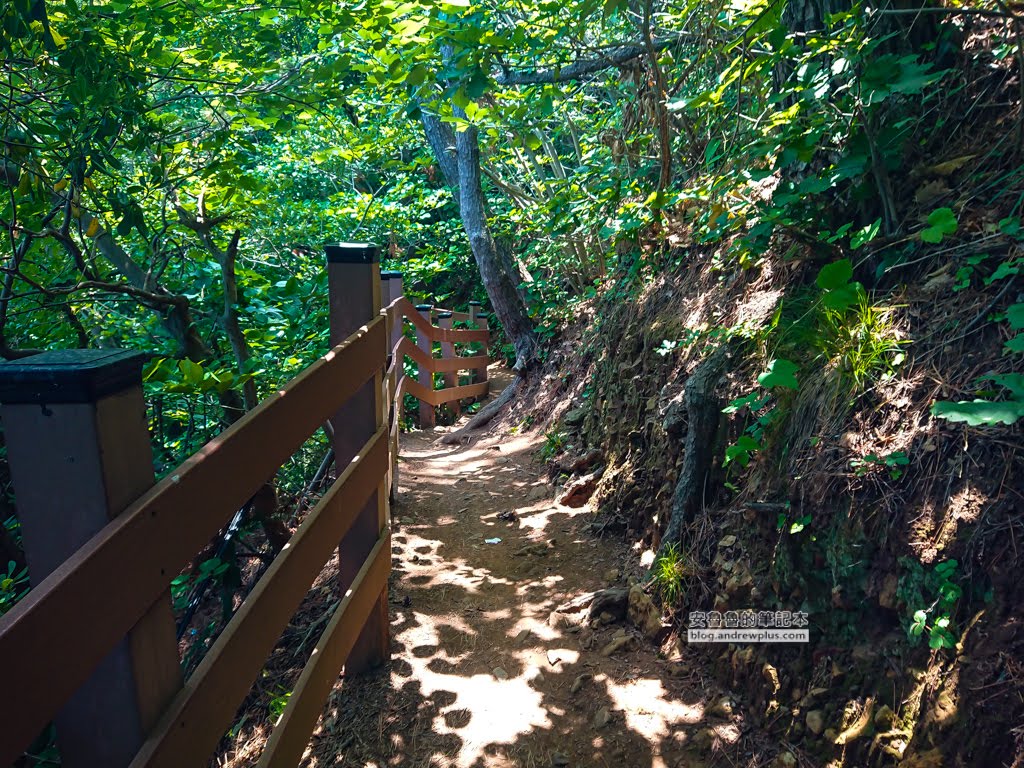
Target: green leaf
x,y
835,275
193,372
1015,316
1012,381
941,222
980,412
780,373
1016,344
865,235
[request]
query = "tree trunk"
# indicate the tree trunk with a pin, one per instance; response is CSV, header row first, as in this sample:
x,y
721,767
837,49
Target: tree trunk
x,y
501,287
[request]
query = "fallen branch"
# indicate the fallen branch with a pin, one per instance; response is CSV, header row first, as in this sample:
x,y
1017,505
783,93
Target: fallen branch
x,y
485,416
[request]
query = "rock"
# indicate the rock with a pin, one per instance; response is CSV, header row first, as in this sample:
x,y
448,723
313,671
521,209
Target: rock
x,y
523,634
617,644
887,595
579,682
574,417
704,739
578,492
611,575
721,708
884,718
601,717
815,721
538,492
642,613
727,541
500,673
784,760
558,620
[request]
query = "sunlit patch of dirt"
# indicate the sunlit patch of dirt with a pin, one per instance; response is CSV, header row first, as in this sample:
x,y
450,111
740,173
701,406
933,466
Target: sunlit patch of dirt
x,y
480,677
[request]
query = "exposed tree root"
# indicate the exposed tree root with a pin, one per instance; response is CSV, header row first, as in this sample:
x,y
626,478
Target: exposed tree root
x,y
485,416
702,411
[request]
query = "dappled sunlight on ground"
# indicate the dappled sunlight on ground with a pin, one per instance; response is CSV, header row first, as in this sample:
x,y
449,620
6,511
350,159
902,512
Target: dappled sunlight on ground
x,y
481,676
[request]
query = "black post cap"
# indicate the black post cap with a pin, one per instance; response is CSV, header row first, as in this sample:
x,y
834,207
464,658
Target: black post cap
x,y
484,315
390,274
424,307
443,315
352,253
476,303
70,375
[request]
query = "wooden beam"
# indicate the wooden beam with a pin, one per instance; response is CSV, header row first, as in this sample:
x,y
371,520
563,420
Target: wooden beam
x,y
291,735
459,336
62,629
441,396
198,717
437,365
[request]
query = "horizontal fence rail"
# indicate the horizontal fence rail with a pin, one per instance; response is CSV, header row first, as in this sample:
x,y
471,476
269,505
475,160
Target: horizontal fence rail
x,y
72,619
402,310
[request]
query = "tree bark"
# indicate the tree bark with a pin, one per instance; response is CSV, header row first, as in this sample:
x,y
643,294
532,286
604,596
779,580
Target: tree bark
x,y
703,410
501,288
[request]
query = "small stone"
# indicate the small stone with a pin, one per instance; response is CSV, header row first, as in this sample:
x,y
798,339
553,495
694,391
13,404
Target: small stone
x,y
618,644
523,634
559,760
727,541
815,721
574,417
611,575
704,738
538,492
602,717
784,760
721,708
642,613
500,673
579,681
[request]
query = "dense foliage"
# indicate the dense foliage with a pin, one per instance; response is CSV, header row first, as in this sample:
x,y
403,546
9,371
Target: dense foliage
x,y
171,171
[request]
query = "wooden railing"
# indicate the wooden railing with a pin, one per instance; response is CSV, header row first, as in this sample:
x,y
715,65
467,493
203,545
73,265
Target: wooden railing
x,y
97,616
450,363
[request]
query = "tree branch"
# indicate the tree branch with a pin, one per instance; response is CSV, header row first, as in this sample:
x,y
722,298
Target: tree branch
x,y
583,68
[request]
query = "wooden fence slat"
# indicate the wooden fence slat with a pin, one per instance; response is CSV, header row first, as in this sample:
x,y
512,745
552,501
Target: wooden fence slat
x,y
441,396
198,717
291,735
440,365
71,620
459,336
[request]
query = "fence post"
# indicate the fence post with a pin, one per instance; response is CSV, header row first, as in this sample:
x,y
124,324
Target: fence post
x,y
354,287
424,376
451,378
79,453
391,289
393,281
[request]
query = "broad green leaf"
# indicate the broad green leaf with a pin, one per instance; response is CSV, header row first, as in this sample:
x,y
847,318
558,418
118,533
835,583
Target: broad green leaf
x,y
980,412
1015,316
835,275
941,222
780,373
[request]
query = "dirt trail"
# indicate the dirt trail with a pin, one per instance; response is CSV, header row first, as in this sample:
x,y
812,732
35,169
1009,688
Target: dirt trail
x,y
479,677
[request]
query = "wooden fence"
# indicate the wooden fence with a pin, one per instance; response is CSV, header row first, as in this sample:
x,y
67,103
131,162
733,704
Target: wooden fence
x,y
92,646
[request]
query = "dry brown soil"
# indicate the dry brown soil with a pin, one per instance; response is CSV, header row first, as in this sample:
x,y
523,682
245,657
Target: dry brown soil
x,y
479,674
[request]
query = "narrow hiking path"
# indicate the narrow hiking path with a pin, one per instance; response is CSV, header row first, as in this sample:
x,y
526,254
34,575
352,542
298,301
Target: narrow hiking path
x,y
481,675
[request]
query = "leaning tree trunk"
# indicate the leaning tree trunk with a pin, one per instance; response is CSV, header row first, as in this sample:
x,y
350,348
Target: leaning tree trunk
x,y
502,288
